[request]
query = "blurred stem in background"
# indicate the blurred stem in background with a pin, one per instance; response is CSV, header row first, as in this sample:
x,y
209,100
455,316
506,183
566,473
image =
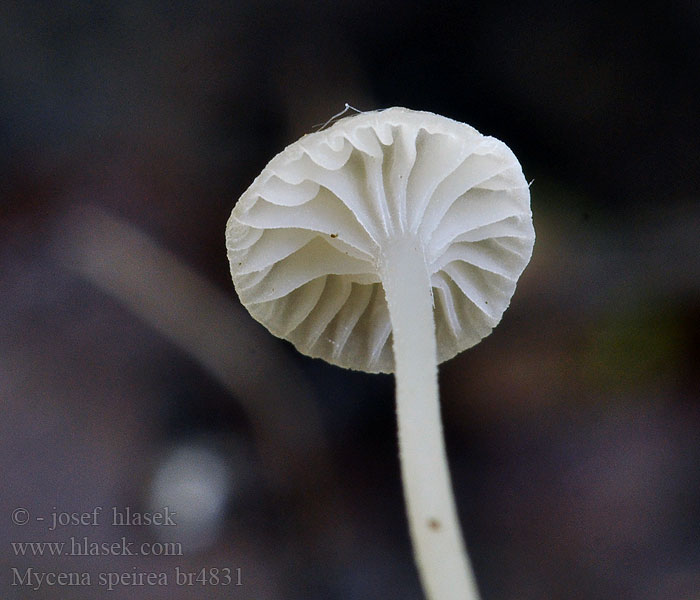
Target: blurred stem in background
x,y
207,325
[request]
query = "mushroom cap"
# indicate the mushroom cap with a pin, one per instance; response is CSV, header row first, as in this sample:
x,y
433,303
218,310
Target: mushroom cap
x,y
305,239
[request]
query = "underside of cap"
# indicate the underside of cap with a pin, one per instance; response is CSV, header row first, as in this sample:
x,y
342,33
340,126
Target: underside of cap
x,y
305,240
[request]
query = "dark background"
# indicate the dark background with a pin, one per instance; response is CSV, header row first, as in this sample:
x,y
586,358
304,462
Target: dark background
x,y
130,375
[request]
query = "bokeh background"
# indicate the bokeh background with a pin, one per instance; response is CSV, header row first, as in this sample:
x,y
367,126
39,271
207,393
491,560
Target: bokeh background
x,y
131,377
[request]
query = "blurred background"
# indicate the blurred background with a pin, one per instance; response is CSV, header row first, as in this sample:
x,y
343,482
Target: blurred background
x,y
130,376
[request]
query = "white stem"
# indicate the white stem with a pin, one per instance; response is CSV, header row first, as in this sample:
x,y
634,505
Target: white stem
x,y
443,566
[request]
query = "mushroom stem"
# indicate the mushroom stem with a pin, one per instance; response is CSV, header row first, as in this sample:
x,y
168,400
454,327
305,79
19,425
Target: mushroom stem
x,y
442,561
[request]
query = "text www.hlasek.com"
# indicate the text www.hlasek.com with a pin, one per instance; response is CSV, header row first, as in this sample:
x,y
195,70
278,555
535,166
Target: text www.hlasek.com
x,y
76,546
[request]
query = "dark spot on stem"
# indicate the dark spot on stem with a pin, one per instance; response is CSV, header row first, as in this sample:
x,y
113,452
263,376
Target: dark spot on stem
x,y
434,524
334,235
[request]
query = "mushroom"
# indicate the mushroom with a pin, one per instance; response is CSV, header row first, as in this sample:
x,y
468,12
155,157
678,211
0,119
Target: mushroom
x,y
390,242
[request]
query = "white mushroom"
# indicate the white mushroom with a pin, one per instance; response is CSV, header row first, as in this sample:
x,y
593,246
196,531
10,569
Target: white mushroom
x,y
389,243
